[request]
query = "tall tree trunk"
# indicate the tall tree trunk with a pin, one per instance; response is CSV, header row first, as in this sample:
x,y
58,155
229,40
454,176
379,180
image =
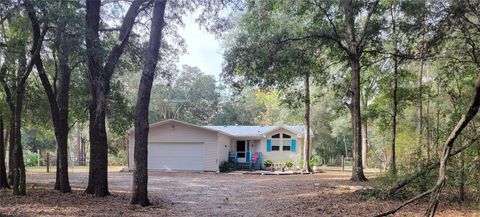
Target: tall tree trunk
x,y
11,145
365,144
11,125
99,77
461,191
59,103
98,173
357,167
62,96
428,122
393,163
420,106
437,122
19,184
3,169
354,61
140,175
95,119
306,143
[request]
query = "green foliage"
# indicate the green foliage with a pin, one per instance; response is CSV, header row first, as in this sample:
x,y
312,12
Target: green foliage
x,y
226,167
267,163
32,158
121,111
288,164
34,139
192,97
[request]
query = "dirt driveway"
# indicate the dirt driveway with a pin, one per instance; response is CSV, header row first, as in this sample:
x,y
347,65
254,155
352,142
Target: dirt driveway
x,y
209,194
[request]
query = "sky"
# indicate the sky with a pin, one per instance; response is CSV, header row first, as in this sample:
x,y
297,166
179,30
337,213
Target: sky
x,y
203,49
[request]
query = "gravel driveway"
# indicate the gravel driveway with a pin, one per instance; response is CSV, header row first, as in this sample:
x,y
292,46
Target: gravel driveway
x,y
210,194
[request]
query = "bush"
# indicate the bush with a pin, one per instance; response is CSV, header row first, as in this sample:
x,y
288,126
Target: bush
x,y
31,158
226,166
288,164
267,163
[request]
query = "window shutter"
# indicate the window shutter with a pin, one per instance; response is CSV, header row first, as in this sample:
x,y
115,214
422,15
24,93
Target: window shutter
x,y
293,145
269,145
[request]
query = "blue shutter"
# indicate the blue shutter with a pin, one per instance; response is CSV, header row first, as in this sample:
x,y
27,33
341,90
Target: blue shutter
x,y
293,145
269,145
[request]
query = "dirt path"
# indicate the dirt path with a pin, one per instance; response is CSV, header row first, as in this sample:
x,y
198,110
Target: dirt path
x,y
209,194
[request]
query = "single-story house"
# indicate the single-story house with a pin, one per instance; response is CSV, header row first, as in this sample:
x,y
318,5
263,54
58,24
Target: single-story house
x,y
177,145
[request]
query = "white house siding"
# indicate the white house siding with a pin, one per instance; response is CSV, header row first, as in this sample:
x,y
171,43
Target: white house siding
x,y
174,132
224,144
281,155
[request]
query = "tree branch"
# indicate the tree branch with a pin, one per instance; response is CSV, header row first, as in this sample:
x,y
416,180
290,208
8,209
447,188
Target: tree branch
x,y
314,36
361,43
125,30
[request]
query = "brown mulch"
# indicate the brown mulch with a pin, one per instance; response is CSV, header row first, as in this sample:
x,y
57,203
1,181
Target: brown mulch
x,y
207,194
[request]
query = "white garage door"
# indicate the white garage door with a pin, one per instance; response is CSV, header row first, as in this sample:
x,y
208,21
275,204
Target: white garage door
x,y
175,156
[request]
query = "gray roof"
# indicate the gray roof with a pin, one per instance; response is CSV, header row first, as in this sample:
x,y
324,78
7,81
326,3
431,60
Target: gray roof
x,y
256,131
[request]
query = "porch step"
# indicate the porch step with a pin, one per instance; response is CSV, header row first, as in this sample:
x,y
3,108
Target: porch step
x,y
246,166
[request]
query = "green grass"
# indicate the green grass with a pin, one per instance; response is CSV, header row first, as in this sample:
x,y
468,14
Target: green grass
x,y
70,169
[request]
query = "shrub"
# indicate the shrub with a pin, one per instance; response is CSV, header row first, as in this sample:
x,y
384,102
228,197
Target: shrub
x,y
288,164
226,166
267,163
31,158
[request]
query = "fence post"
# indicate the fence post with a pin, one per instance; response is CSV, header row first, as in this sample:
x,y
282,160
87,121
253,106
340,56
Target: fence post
x,y
48,162
343,163
38,157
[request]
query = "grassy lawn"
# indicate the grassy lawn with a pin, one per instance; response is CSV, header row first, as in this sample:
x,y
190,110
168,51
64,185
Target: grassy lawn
x,y
70,169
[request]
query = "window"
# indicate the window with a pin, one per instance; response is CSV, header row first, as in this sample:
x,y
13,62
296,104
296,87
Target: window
x,y
281,141
286,144
276,143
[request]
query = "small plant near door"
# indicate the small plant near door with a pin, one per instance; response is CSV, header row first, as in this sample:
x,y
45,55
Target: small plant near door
x,y
226,166
288,164
267,164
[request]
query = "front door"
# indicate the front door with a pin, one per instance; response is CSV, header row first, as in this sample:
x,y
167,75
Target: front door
x,y
241,151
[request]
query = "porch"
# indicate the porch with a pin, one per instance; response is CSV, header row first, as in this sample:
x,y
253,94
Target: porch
x,y
246,160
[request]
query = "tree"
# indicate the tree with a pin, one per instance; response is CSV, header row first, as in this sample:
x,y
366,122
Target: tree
x,y
99,76
14,89
57,96
140,175
261,54
354,49
3,169
393,163
454,19
350,31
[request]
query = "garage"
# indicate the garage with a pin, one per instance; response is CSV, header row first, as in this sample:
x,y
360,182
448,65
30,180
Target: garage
x,y
176,156
179,146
